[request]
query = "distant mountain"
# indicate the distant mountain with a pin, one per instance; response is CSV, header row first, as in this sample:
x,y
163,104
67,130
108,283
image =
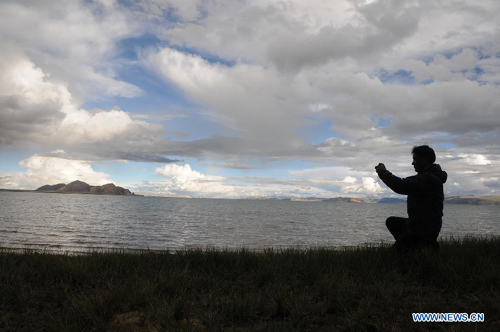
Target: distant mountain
x,y
80,187
346,200
468,200
391,200
471,200
384,200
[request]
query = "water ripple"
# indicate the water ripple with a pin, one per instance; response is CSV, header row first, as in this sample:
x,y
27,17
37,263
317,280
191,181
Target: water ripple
x,y
84,222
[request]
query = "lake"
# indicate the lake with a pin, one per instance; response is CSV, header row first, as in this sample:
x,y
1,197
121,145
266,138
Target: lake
x,y
80,222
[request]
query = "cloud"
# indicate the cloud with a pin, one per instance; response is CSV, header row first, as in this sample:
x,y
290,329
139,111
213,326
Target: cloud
x,y
346,179
20,120
474,159
41,170
86,36
294,34
419,114
353,102
184,11
249,100
493,183
458,67
261,70
183,181
179,134
455,108
349,95
376,27
36,110
236,165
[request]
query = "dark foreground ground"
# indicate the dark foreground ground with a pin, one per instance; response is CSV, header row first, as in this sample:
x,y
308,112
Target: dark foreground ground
x,y
362,289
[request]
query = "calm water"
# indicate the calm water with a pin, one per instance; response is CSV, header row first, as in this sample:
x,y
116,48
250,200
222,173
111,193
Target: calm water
x,y
80,222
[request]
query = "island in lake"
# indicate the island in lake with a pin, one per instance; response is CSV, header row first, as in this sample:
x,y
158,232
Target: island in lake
x,y
80,187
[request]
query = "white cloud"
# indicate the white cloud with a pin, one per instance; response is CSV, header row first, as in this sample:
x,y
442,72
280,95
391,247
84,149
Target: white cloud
x,y
37,110
474,159
371,186
101,126
367,186
183,181
49,170
73,41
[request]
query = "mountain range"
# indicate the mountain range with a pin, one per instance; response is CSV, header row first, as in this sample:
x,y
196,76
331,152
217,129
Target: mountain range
x,y
462,200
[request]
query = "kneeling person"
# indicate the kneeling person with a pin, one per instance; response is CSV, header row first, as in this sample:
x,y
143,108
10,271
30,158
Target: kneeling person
x,y
424,203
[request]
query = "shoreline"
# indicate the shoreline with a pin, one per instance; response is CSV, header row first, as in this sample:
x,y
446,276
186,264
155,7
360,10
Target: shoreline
x,y
59,192
211,248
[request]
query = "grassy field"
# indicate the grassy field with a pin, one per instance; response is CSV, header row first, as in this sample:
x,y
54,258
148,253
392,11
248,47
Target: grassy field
x,y
358,289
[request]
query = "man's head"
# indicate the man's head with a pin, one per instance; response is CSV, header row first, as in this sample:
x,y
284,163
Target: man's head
x,y
423,157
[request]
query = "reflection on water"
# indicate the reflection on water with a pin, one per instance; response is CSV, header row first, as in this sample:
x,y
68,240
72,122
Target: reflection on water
x,y
79,222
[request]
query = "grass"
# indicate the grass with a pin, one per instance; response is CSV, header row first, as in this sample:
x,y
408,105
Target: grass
x,y
357,289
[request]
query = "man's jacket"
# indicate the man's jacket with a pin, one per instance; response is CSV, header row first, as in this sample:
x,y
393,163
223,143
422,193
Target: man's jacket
x,y
425,199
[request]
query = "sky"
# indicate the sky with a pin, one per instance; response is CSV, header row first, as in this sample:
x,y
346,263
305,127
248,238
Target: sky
x,y
248,99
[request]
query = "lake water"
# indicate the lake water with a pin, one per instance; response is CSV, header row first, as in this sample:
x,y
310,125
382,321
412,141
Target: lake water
x,y
80,222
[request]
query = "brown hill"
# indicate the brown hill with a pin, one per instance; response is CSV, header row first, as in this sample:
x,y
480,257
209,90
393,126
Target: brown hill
x,y
51,187
80,187
109,189
75,186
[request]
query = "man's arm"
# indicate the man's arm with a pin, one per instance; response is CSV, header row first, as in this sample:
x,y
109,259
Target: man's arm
x,y
404,186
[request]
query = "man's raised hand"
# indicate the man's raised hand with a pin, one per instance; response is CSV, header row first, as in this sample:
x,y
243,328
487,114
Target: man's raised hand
x,y
380,168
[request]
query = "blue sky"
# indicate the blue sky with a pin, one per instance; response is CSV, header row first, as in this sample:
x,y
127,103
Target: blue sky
x,y
240,99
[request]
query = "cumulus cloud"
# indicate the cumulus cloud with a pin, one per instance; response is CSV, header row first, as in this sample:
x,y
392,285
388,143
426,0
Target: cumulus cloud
x,y
183,181
40,170
25,88
36,110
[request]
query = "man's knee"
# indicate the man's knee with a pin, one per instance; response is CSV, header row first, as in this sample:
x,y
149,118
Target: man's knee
x,y
391,222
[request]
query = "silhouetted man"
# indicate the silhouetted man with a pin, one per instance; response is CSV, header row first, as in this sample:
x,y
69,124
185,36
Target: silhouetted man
x,y
424,203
